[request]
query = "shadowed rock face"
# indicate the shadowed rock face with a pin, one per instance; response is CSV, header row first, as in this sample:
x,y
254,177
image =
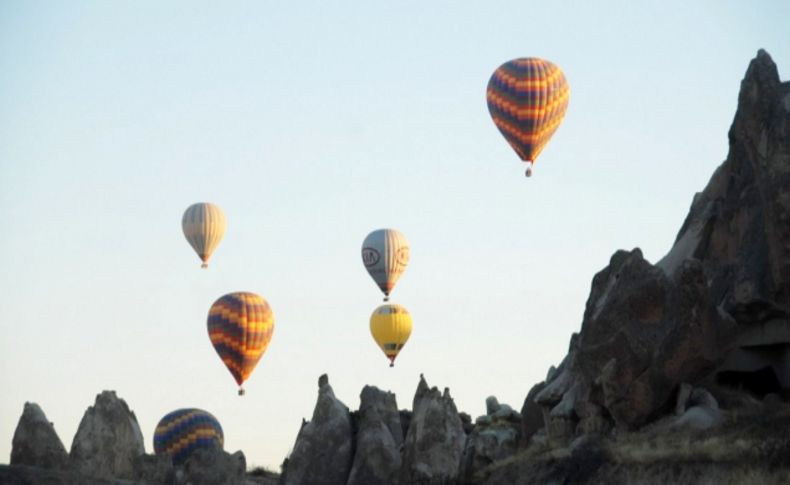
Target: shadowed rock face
x,y
718,304
35,442
435,441
324,447
377,459
108,442
207,466
495,436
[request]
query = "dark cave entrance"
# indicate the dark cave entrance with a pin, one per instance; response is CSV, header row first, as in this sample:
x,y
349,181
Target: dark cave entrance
x,y
758,382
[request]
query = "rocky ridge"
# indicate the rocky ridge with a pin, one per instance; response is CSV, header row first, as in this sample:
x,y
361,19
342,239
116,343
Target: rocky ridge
x,y
108,450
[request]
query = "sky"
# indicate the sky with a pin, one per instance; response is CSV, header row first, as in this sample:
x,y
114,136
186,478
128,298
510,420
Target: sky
x,y
312,124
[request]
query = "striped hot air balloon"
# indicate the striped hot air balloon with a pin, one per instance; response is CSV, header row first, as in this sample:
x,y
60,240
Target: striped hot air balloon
x,y
527,99
390,325
204,225
183,431
240,327
385,254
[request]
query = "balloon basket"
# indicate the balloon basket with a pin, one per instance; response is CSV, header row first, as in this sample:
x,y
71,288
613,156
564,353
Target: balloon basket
x,y
241,392
204,265
528,172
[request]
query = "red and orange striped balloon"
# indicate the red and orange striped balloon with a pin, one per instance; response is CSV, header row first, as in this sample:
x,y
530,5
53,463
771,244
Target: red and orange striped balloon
x,y
527,99
240,327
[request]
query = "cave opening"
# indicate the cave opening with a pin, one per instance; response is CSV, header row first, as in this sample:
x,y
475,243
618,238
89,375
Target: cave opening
x,y
757,382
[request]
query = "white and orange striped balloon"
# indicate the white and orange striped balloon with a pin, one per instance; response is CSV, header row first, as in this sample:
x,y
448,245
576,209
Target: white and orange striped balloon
x,y
204,225
385,253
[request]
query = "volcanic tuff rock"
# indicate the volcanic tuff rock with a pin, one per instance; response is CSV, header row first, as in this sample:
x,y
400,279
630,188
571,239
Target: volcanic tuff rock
x,y
715,309
35,442
207,466
435,440
377,459
324,448
495,436
108,442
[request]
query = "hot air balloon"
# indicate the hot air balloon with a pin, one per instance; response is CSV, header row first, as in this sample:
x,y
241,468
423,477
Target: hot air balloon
x,y
204,225
390,325
527,99
240,327
183,431
385,253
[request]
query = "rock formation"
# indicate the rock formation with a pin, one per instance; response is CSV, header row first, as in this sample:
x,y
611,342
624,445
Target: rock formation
x,y
324,448
377,459
435,441
206,466
108,442
495,436
35,442
715,309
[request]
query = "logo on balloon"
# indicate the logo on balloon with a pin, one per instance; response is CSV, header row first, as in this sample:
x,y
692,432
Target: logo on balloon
x,y
403,256
370,257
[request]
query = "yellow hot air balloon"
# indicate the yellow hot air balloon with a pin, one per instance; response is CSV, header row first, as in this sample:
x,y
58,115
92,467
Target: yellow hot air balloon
x,y
390,325
204,225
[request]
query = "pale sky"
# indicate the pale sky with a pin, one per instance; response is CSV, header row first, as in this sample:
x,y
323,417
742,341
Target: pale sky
x,y
311,124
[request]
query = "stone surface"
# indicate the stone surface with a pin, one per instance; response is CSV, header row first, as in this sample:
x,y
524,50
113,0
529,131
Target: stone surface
x,y
31,475
435,441
154,469
207,466
108,442
751,449
700,410
494,438
324,448
35,441
716,308
377,459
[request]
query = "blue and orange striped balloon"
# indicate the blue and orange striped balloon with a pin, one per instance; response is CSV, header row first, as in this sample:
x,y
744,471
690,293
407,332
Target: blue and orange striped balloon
x,y
183,431
240,327
527,99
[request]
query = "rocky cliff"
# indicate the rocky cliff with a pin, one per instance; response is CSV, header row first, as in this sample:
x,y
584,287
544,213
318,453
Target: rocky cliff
x,y
698,341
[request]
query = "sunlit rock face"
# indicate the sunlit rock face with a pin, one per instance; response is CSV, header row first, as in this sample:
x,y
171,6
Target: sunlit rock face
x,y
714,311
108,443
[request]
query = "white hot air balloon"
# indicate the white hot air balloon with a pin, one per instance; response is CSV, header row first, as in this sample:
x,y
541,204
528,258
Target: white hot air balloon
x,y
204,225
385,253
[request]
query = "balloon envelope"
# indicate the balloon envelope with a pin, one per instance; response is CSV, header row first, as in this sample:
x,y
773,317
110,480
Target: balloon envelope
x,y
527,99
240,327
390,325
385,254
183,431
203,225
